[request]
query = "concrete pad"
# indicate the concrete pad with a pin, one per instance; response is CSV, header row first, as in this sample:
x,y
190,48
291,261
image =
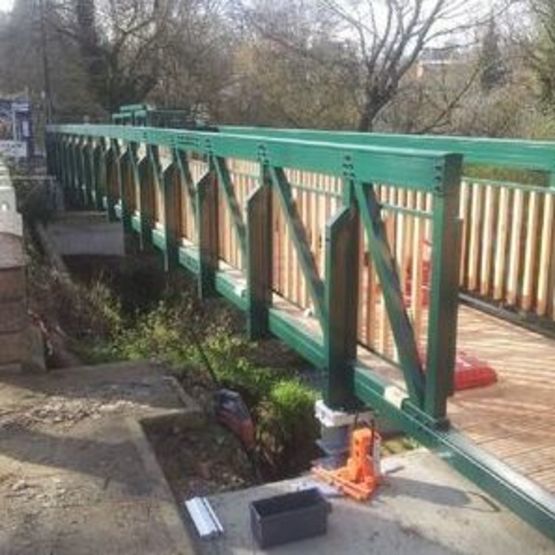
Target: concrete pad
x,y
77,474
424,508
86,233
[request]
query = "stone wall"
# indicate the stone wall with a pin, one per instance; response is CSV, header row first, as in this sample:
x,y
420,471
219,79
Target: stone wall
x,y
14,321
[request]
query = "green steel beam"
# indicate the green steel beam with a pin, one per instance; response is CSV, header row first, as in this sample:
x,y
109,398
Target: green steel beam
x,y
515,153
409,168
518,493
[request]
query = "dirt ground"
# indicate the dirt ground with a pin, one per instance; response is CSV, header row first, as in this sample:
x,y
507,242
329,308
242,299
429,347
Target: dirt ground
x,y
77,475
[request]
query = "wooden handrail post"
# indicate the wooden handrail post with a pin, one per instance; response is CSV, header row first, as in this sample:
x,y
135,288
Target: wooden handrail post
x,y
259,257
207,222
342,287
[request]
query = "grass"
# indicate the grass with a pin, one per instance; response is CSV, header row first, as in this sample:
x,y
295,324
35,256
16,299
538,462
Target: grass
x,y
103,328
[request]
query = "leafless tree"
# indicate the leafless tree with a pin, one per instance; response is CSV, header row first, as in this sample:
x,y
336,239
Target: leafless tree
x,y
120,43
386,36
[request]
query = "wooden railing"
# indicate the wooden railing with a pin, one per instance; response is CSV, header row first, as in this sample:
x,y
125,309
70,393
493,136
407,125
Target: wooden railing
x,y
508,229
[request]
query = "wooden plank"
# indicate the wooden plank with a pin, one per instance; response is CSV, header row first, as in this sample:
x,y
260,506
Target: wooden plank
x,y
530,253
487,243
546,254
475,226
515,254
499,282
417,294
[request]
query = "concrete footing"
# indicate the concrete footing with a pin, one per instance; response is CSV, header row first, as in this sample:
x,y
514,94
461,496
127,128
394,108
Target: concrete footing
x,y
422,508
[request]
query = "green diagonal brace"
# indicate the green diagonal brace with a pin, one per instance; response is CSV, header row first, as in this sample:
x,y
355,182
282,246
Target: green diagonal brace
x,y
231,200
386,269
298,233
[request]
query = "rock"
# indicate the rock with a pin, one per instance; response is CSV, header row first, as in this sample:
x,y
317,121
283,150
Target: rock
x,y
20,485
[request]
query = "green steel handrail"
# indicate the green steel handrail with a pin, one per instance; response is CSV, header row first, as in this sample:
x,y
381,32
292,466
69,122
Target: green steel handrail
x,y
514,153
409,167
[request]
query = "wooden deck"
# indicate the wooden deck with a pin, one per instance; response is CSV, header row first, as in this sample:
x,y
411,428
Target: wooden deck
x,y
515,418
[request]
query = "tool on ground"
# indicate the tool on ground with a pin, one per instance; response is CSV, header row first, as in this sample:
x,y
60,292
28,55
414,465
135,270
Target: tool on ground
x,y
359,478
229,407
204,518
232,412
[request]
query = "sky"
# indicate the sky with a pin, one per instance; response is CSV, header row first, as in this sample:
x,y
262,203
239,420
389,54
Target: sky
x,y
6,5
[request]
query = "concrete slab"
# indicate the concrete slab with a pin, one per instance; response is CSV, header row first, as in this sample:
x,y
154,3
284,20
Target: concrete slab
x,y
86,233
423,508
77,475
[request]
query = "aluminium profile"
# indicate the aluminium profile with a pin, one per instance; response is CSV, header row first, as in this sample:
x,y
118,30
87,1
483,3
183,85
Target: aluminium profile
x,y
204,518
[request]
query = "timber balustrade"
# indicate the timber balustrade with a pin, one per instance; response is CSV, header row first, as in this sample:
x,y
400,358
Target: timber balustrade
x,y
350,253
508,229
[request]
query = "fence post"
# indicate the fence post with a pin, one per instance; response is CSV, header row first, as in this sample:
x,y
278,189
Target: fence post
x,y
259,257
207,222
342,287
442,326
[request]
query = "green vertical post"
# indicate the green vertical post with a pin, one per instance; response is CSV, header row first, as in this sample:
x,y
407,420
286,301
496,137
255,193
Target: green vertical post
x,y
80,159
111,164
124,177
64,166
444,290
342,289
145,181
207,222
73,172
98,176
172,218
259,257
49,147
88,171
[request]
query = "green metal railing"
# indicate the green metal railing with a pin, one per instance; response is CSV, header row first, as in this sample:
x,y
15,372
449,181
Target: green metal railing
x,y
119,169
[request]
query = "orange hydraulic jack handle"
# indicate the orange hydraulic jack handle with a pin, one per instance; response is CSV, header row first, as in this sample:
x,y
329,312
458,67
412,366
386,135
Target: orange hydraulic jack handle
x,y
359,477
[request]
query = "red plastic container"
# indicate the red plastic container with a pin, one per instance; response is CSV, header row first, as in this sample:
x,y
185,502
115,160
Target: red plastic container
x,y
471,372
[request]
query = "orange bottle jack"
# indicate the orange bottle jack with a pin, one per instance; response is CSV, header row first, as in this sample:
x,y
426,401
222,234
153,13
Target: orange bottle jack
x,y
359,477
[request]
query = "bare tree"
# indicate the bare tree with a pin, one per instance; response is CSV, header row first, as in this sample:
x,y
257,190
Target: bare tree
x,y
120,43
538,42
386,38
